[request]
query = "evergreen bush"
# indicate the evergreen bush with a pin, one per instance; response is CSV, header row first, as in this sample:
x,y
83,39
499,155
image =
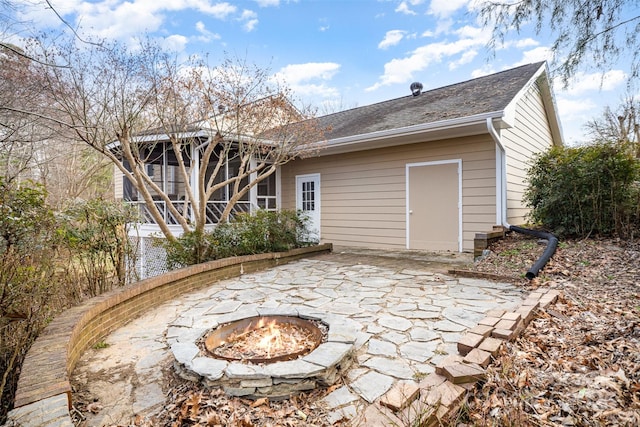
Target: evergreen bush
x,y
246,234
587,190
30,288
95,233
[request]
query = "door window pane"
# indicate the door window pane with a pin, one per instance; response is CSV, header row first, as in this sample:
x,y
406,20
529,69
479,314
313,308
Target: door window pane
x,y
308,196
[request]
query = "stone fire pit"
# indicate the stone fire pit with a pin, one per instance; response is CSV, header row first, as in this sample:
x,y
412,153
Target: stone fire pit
x,y
277,380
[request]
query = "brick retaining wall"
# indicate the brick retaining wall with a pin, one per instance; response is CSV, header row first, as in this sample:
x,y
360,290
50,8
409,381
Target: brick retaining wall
x,y
54,354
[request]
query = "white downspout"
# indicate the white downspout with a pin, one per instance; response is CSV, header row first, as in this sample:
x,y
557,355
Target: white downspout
x,y
501,176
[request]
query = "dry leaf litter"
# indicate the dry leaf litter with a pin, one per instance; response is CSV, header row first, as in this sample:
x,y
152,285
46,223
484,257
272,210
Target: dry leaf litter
x,y
578,362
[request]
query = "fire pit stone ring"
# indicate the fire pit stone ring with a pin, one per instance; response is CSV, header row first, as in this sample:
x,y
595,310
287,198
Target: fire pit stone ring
x,y
322,366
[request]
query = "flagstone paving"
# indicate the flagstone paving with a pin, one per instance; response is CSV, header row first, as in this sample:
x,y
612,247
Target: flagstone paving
x,y
405,318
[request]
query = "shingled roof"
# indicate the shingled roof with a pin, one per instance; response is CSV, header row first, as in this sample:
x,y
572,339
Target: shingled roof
x,y
477,96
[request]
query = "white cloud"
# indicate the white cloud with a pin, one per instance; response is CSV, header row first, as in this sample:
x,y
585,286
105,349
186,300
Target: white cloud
x,y
39,13
205,35
250,25
392,38
310,78
445,8
296,73
519,44
267,3
120,19
575,108
576,104
250,19
403,7
443,26
582,82
402,70
202,29
470,32
573,113
175,43
324,25
541,53
528,57
484,71
222,10
466,58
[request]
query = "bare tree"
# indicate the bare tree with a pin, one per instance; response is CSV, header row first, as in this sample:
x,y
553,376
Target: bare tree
x,y
621,126
70,170
20,131
139,108
35,147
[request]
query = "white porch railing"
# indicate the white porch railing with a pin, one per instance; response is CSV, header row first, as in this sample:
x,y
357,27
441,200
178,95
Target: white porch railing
x,y
214,211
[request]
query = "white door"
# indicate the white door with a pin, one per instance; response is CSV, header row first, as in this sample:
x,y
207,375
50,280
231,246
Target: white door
x,y
308,201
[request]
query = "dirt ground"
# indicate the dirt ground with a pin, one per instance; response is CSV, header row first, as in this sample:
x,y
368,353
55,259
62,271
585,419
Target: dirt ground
x,y
577,364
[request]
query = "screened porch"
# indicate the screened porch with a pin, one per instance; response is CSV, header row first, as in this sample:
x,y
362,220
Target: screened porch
x,y
162,167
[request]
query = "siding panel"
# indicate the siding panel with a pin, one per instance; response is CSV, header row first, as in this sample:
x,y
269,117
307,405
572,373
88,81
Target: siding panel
x,y
364,193
530,135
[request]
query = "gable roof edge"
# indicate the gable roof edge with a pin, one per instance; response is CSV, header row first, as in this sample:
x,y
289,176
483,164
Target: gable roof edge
x,y
541,79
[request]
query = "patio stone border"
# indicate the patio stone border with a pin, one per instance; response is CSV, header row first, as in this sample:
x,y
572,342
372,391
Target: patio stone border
x,y
44,392
439,396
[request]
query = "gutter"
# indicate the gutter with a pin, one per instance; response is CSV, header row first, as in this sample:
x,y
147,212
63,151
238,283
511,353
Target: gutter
x,y
414,129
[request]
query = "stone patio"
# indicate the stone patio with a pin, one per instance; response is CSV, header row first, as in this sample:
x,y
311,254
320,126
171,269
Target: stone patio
x,y
405,316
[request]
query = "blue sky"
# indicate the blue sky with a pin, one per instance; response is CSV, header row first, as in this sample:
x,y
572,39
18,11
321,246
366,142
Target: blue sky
x,y
337,54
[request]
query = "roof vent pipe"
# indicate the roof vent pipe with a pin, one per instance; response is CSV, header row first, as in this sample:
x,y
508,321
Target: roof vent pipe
x,y
416,88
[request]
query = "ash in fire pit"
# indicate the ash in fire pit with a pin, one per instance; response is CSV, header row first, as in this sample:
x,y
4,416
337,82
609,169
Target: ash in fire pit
x,y
265,339
225,353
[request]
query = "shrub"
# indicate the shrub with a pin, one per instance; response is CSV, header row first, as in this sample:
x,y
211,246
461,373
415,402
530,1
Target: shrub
x,y
30,289
48,263
95,232
580,191
261,232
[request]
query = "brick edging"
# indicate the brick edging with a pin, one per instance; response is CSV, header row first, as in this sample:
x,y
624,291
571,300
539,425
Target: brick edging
x,y
440,395
54,354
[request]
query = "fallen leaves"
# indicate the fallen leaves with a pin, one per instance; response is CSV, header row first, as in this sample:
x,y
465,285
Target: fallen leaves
x,y
578,363
94,407
197,406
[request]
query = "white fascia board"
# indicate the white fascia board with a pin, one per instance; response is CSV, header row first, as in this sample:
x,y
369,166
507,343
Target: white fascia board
x,y
553,116
478,119
510,109
166,136
540,78
161,137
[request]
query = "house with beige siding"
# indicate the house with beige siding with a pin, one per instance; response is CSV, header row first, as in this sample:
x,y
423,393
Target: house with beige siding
x,y
425,171
428,170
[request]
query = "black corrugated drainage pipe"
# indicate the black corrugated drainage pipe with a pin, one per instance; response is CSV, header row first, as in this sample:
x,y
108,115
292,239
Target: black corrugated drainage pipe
x,y
552,243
